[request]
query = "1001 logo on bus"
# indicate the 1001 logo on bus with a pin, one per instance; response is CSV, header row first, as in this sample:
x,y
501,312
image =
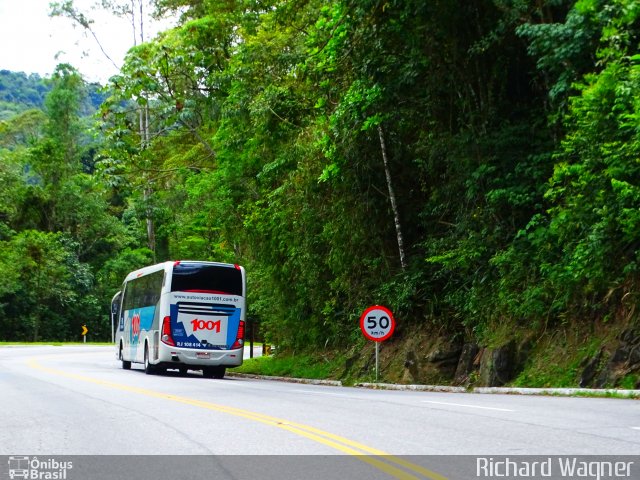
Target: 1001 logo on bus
x,y
135,325
205,325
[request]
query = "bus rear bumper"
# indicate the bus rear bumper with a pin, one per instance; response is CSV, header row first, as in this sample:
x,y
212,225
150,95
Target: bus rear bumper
x,y
174,358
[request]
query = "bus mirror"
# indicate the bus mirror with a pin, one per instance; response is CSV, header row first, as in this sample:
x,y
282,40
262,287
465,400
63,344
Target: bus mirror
x,y
115,304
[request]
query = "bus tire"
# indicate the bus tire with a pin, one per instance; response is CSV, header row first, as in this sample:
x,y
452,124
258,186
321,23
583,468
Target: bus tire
x,y
149,369
126,365
214,372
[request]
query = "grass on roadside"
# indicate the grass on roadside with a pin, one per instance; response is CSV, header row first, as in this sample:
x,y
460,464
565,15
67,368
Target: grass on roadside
x,y
298,366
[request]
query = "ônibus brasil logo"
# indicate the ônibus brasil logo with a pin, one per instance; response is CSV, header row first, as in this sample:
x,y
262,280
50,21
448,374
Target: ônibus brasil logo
x,y
34,468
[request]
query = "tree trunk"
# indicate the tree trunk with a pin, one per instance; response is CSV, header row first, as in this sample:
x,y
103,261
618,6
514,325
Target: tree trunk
x,y
392,198
148,189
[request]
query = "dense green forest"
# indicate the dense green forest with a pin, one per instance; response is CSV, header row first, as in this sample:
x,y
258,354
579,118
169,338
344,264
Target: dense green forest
x,y
472,165
20,92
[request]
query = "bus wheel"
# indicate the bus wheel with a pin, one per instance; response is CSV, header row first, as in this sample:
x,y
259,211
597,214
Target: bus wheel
x,y
125,363
149,369
214,372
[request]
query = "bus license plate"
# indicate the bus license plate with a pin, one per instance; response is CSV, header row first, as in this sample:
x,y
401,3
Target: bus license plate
x,y
203,355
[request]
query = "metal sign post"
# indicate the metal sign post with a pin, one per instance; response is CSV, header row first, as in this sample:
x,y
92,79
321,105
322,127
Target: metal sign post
x,y
377,361
377,324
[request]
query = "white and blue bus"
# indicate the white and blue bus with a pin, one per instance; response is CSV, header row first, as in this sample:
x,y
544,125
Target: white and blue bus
x,y
182,315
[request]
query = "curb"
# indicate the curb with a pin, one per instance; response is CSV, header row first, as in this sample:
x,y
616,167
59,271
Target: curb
x,y
563,392
413,388
308,381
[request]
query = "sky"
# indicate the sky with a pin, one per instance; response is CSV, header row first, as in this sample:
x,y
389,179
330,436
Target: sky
x,y
33,42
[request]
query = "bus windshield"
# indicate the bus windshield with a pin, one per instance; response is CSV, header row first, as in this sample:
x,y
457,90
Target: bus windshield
x,y
206,278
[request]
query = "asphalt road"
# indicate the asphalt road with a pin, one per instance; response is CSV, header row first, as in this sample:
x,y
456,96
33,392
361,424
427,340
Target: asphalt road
x,y
78,401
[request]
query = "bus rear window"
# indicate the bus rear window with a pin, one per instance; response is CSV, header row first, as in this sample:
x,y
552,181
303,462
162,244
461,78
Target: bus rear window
x,y
206,278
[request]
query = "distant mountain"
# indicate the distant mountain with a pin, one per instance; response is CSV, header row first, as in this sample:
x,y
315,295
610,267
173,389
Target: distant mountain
x,y
20,92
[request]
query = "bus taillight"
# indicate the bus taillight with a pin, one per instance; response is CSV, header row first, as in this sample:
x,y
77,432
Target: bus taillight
x,y
166,332
240,337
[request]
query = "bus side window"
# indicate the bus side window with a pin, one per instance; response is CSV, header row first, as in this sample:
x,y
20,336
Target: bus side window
x,y
128,300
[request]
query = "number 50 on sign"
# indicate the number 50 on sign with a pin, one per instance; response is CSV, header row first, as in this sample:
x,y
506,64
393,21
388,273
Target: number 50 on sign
x,y
377,323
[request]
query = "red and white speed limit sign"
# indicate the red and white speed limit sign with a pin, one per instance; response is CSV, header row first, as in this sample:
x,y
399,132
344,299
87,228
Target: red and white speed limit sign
x,y
377,323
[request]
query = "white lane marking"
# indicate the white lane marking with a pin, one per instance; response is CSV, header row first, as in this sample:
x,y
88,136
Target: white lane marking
x,y
635,428
321,393
468,406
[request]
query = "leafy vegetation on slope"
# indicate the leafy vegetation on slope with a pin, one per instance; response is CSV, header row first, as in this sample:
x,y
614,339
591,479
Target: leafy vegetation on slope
x,y
255,132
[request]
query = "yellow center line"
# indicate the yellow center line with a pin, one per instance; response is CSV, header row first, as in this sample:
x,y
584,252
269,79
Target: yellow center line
x,y
369,455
